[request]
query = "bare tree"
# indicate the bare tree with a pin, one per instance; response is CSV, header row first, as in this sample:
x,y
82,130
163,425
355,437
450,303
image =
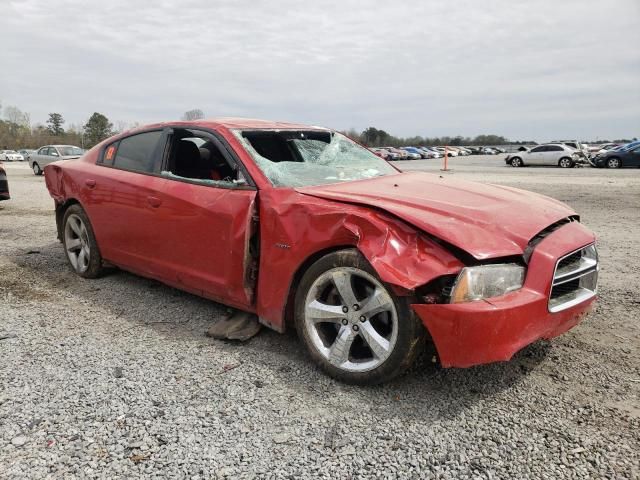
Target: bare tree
x,y
195,114
16,116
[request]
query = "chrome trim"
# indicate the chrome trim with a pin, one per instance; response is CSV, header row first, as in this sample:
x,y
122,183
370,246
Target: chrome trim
x,y
585,270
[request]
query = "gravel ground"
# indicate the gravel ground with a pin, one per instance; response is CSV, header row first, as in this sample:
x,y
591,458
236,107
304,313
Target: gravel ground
x,y
114,377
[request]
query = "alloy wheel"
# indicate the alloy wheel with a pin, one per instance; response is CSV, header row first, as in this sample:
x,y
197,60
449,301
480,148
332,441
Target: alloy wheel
x,y
76,243
351,319
565,163
613,163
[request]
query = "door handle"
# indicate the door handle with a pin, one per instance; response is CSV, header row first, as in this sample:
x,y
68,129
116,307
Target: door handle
x,y
154,201
90,183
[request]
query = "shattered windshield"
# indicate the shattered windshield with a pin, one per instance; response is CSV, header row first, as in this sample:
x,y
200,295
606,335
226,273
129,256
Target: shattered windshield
x,y
295,158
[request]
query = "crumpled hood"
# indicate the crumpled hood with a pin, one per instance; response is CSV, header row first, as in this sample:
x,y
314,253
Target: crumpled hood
x,y
486,221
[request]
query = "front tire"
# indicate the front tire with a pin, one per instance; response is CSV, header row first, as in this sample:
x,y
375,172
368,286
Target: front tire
x,y
517,162
80,244
353,325
36,169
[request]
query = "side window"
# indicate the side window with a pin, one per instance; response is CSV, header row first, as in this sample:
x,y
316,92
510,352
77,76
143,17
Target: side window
x,y
197,156
137,152
53,152
43,151
538,149
109,154
555,148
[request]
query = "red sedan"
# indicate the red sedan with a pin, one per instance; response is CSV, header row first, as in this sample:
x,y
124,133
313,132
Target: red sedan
x,y
301,226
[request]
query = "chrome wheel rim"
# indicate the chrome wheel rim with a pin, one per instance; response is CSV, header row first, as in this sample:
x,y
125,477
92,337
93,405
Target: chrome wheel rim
x,y
564,163
351,319
613,163
76,243
515,162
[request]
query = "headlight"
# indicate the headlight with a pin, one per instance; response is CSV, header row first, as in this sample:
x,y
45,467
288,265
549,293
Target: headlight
x,y
486,281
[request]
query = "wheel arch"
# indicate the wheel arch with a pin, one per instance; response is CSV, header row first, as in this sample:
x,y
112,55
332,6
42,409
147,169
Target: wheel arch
x,y
289,307
61,208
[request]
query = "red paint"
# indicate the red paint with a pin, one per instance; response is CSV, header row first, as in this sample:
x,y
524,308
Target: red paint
x,y
196,238
473,333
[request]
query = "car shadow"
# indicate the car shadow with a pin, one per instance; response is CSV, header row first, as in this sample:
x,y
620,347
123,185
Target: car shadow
x,y
425,391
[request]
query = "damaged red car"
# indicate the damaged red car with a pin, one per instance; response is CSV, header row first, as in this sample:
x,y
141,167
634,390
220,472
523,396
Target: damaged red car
x,y
304,227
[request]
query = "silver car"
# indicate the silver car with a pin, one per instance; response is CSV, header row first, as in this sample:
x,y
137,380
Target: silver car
x,y
52,153
560,155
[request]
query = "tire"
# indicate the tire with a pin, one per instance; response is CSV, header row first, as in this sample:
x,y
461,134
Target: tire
x,y
342,342
565,162
79,241
614,162
517,162
36,169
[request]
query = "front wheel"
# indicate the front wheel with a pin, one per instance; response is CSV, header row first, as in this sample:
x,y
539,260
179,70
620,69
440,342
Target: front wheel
x,y
36,169
354,327
80,243
516,162
565,162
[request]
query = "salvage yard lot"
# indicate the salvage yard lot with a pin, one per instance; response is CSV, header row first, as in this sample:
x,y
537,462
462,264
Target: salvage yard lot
x,y
115,376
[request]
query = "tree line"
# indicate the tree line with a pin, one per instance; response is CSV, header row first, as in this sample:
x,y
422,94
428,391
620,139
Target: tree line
x,y
373,137
17,132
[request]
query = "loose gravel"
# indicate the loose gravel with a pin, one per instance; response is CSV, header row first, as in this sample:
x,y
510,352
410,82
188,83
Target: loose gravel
x,y
115,378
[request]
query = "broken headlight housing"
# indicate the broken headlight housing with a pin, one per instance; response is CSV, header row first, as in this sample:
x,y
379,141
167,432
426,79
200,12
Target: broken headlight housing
x,y
487,281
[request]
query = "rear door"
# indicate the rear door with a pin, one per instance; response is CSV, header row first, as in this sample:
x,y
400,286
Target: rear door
x,y
124,199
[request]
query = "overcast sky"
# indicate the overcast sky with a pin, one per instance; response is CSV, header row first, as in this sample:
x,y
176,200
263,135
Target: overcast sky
x,y
524,69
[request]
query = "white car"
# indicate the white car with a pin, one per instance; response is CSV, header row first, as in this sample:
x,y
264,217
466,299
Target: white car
x,y
450,152
10,156
551,154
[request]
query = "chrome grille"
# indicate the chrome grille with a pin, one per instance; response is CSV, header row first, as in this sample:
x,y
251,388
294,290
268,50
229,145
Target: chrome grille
x,y
575,279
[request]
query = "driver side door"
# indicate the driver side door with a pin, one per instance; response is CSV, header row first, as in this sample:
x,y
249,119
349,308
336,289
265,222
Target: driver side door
x,y
536,156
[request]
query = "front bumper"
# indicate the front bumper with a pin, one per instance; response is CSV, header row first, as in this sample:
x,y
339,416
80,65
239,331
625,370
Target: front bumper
x,y
493,330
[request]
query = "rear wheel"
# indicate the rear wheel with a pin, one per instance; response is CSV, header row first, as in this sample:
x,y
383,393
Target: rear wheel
x,y
354,327
36,169
565,162
80,243
517,162
614,162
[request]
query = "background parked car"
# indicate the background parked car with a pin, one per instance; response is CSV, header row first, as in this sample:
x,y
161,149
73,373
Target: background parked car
x,y
551,154
430,152
619,158
402,154
382,153
26,152
414,153
10,156
4,184
451,153
488,151
51,153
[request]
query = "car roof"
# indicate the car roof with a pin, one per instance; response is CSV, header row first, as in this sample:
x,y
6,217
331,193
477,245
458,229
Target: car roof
x,y
235,123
